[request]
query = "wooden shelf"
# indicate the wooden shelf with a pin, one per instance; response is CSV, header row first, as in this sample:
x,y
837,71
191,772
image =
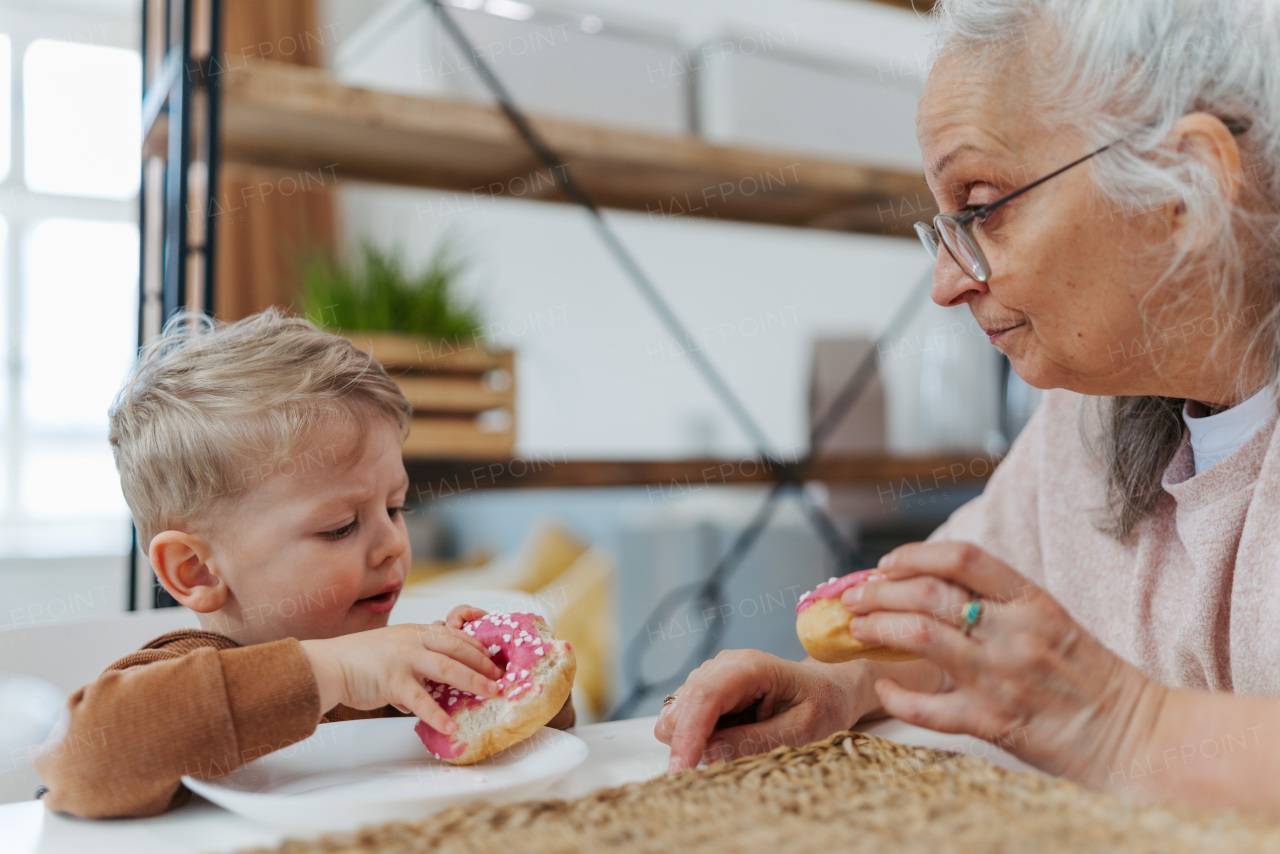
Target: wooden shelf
x,y
921,6
297,118
898,476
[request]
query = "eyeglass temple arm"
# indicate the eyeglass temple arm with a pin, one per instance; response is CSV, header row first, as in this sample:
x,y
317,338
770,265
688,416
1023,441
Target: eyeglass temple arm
x,y
986,210
1235,126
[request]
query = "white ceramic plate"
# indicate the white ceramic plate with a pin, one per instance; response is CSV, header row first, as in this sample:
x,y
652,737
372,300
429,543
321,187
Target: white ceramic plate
x,y
361,772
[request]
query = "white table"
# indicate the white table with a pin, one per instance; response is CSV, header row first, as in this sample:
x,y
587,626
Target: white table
x,y
620,752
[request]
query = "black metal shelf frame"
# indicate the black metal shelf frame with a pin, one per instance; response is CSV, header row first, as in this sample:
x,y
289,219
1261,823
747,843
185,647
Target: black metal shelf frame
x,y
179,89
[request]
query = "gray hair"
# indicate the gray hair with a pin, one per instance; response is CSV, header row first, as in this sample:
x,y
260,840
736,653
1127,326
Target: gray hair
x,y
1114,67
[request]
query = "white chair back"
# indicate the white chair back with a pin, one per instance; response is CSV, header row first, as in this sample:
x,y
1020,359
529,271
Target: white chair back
x,y
71,654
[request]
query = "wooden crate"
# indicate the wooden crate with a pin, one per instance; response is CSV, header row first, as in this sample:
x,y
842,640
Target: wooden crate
x,y
463,395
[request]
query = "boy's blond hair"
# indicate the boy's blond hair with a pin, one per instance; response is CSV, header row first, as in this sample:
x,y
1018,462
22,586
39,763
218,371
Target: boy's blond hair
x,y
210,410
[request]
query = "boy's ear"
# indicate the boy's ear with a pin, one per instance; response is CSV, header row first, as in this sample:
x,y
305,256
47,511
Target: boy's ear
x,y
180,562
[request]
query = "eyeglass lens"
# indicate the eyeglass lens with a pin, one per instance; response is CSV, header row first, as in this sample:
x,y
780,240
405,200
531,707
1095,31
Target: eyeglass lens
x,y
963,248
929,238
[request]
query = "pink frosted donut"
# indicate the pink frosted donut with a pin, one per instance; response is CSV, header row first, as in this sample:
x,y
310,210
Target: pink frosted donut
x,y
537,679
822,623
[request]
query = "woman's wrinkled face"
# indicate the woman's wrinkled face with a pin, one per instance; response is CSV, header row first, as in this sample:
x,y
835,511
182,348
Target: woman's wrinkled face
x,y
1068,271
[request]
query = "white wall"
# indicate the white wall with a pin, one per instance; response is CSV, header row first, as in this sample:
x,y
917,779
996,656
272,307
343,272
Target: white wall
x,y
598,374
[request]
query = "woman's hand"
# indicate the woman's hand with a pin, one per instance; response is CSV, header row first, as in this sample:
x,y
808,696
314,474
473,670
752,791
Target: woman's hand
x,y
794,703
1027,677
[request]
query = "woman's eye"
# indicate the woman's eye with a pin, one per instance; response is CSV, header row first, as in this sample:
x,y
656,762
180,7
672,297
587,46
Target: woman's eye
x,y
397,511
980,222
339,533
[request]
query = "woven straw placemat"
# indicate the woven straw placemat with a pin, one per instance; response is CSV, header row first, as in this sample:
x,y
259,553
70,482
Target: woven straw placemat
x,y
850,792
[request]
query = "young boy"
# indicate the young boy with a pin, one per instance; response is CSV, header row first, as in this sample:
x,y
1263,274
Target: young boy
x,y
261,461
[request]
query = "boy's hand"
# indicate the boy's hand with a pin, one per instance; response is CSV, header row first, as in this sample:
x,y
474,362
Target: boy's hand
x,y
369,669
565,718
463,614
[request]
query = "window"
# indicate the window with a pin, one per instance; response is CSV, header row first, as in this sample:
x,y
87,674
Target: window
x,y
78,328
80,288
69,169
82,120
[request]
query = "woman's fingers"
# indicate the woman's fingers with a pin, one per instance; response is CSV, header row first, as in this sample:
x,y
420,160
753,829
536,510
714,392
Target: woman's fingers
x,y
943,644
922,594
728,683
750,739
963,564
939,712
694,721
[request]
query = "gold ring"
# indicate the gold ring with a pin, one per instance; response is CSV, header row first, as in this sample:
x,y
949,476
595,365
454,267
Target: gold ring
x,y
670,698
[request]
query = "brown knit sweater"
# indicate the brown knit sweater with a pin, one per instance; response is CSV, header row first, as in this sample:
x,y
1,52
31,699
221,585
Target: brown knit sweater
x,y
188,703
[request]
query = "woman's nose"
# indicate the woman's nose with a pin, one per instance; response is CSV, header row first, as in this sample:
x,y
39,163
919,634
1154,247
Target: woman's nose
x,y
951,285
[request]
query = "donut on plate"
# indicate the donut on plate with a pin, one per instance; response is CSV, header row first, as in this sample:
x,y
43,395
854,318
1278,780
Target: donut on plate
x,y
822,623
537,679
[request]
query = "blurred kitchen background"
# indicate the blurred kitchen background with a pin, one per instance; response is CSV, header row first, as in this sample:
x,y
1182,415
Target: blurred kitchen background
x,y
756,158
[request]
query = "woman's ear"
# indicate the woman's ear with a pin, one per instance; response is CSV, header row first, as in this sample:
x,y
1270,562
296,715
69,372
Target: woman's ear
x,y
180,561
1204,138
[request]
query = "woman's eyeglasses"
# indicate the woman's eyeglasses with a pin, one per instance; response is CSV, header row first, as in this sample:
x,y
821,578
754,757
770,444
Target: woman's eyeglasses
x,y
954,229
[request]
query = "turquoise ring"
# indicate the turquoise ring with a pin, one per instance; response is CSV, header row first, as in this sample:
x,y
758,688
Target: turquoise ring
x,y
972,613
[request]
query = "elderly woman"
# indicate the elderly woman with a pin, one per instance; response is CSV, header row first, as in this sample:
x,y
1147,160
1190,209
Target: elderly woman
x,y
1108,173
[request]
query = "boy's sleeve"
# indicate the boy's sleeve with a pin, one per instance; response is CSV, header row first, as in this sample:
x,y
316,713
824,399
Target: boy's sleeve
x,y
566,717
134,733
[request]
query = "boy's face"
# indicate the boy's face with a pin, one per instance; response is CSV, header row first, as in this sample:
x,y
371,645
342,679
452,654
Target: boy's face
x,y
319,547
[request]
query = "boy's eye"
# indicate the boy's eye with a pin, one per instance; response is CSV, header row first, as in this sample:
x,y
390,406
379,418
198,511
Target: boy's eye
x,y
339,533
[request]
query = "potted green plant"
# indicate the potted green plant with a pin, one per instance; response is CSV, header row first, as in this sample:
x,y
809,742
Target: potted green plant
x,y
429,338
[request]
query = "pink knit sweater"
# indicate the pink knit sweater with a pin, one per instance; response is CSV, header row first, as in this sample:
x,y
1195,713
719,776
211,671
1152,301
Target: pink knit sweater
x,y
1193,598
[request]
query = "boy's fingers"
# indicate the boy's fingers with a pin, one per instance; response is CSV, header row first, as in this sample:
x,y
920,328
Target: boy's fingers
x,y
440,667
417,698
463,614
441,637
475,657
